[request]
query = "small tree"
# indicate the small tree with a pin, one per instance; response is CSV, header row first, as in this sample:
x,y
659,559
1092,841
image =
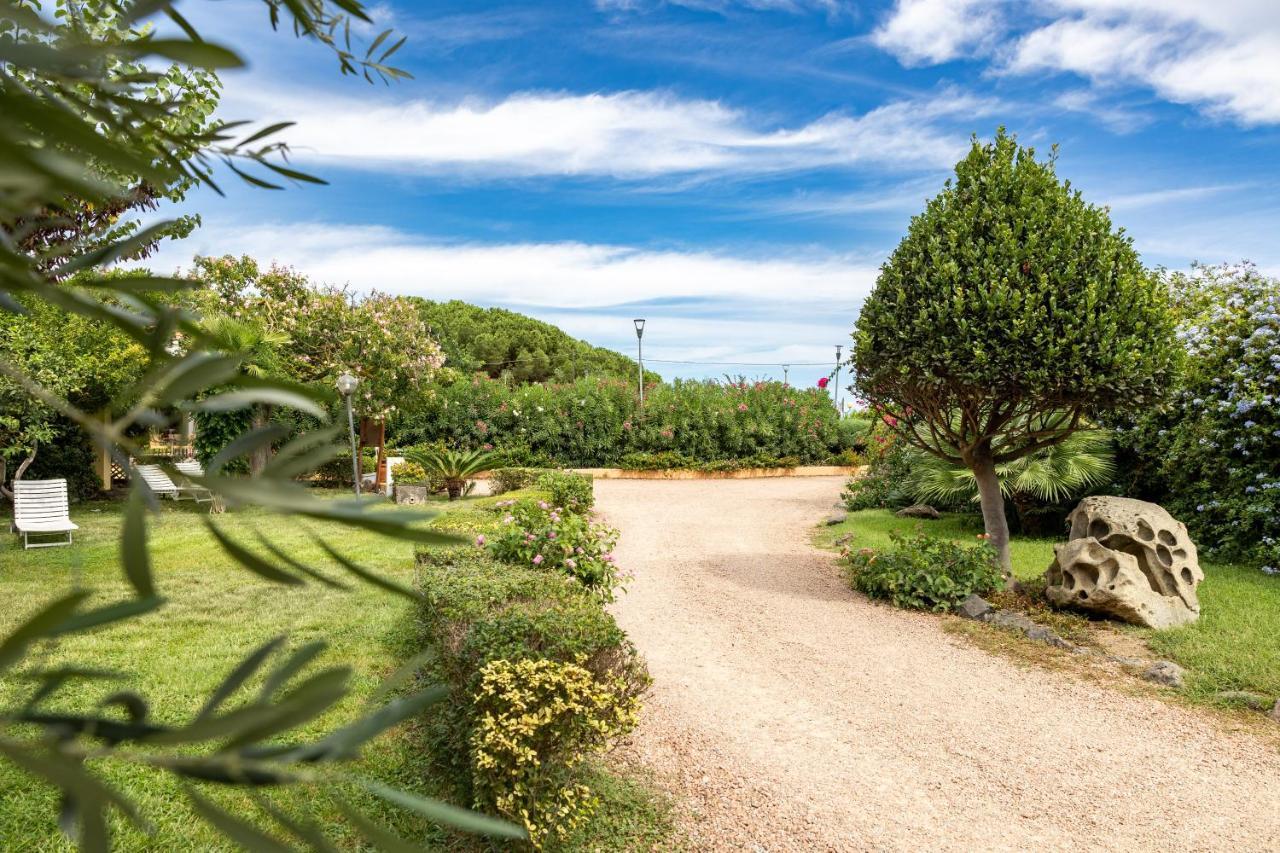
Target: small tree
x,y
1010,314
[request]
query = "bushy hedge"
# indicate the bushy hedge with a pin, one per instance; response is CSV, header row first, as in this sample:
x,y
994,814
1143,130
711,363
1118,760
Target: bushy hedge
x,y
1212,456
924,573
484,619
596,422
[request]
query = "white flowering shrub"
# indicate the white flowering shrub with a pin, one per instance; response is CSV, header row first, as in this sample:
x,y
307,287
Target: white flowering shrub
x,y
1212,456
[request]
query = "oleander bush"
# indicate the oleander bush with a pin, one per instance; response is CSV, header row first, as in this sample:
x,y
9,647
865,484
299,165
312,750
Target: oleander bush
x,y
924,573
596,422
482,617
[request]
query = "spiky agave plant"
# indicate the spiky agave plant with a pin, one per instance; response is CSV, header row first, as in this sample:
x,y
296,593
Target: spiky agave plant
x,y
1052,474
455,467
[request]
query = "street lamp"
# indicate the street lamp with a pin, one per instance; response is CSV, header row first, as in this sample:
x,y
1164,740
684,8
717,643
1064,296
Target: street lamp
x,y
640,356
346,387
836,393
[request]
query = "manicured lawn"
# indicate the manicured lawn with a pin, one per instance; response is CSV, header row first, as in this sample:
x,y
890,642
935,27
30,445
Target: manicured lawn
x,y
216,613
1235,645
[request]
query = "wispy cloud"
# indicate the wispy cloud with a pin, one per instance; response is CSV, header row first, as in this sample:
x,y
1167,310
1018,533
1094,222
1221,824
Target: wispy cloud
x,y
1218,56
927,32
792,6
634,134
708,306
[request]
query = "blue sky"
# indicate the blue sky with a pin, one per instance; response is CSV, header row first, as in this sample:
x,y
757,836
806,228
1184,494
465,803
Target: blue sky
x,y
736,170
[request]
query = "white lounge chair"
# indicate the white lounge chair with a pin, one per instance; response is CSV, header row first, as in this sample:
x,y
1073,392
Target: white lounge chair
x,y
161,485
40,509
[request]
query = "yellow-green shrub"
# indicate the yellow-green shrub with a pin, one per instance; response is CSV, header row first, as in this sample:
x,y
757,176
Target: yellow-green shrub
x,y
539,719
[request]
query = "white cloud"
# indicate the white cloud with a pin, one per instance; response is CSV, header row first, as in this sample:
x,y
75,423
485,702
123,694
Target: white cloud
x,y
569,274
1222,56
928,32
623,134
793,6
703,306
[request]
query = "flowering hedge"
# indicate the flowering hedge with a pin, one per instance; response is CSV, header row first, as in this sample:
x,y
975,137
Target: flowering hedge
x,y
1212,456
597,421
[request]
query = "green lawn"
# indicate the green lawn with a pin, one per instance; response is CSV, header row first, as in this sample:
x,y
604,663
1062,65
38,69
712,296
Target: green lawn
x,y
216,613
1235,645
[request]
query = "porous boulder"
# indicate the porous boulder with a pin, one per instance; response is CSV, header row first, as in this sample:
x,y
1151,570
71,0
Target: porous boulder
x,y
1127,559
918,511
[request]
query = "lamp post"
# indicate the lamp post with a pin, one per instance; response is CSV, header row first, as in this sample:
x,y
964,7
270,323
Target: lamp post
x,y
786,374
836,392
640,356
346,387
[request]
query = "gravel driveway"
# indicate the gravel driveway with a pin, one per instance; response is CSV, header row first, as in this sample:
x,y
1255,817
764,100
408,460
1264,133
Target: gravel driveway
x,y
790,714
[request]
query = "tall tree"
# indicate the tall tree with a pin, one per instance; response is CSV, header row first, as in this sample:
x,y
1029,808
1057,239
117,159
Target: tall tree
x,y
1010,314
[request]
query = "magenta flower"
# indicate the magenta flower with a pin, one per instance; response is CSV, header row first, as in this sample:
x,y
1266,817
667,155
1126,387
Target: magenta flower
x,y
822,383
537,561
480,540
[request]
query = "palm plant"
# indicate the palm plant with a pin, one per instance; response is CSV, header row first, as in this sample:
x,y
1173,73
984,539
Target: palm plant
x,y
1052,474
455,467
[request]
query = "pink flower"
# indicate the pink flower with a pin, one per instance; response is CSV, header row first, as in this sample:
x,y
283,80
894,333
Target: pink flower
x,y
626,425
480,540
487,446
891,420
570,563
551,535
822,383
541,504
742,407
537,561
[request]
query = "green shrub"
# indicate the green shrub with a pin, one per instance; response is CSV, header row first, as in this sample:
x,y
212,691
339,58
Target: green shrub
x,y
537,721
548,538
883,485
595,422
476,611
1212,458
568,489
924,573
408,472
503,480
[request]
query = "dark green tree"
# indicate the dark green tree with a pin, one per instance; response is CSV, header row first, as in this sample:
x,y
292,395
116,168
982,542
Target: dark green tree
x,y
1011,314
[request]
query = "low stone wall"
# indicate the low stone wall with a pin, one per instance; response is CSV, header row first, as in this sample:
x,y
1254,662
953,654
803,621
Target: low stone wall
x,y
742,474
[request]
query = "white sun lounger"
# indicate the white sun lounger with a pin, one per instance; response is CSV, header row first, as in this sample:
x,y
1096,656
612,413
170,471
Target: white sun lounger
x,y
40,509
160,484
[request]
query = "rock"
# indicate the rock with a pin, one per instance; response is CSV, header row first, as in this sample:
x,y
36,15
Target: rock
x,y
974,607
1252,701
1128,559
844,538
837,517
918,511
1011,620
1275,712
1165,672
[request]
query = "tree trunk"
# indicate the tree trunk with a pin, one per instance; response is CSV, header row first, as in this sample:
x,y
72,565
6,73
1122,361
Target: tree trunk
x,y
261,455
993,518
454,488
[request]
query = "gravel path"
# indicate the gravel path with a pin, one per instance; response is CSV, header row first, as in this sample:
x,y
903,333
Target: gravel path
x,y
790,714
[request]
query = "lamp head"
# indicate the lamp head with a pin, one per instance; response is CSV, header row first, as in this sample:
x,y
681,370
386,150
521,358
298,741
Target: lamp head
x,y
639,328
347,384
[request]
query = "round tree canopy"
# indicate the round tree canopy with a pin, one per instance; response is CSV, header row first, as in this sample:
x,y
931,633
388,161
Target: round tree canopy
x,y
1011,296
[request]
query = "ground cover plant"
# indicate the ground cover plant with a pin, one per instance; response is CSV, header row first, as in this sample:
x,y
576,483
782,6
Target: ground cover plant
x,y
1235,644
923,572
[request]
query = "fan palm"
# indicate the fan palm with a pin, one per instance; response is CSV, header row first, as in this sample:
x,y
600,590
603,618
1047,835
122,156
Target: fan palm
x,y
455,467
1052,474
